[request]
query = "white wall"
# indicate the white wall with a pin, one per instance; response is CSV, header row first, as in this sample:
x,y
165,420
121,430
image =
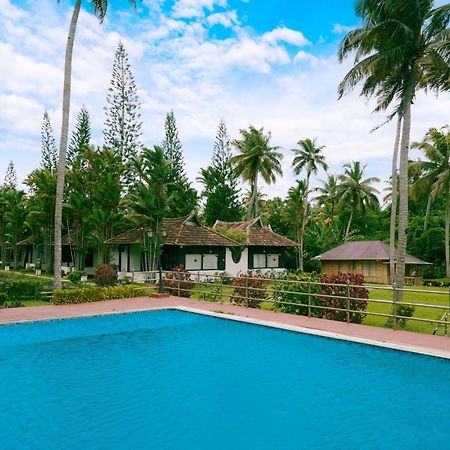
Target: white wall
x,y
235,269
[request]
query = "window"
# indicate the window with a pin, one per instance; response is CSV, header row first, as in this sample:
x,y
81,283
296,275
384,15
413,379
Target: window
x,y
193,262
259,261
210,262
370,268
207,261
273,260
263,261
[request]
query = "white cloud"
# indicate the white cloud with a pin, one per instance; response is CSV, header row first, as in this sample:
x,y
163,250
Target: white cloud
x,y
341,29
226,19
188,9
286,35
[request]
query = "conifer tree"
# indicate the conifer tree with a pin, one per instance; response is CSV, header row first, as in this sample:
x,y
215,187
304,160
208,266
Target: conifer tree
x,y
220,183
123,124
182,196
81,136
11,176
49,153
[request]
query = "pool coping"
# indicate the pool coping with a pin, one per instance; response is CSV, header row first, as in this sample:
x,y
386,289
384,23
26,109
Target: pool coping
x,y
436,346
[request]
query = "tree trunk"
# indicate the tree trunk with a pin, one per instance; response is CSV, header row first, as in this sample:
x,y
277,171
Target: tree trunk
x,y
403,207
427,214
394,176
447,237
347,231
63,143
305,215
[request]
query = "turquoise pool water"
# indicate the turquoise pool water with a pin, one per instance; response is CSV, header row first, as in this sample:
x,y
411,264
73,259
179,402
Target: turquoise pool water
x,y
176,380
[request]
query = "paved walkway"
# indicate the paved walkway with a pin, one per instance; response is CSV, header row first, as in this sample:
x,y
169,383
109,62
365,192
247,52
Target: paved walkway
x,y
402,340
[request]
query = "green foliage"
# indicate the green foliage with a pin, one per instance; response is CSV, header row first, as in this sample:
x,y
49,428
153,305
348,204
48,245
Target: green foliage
x,y
178,282
21,289
250,289
49,153
97,293
220,183
296,289
214,291
75,276
238,236
81,137
105,275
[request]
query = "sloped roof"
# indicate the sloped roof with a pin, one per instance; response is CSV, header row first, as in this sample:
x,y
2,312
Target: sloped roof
x,y
185,231
363,250
257,234
30,241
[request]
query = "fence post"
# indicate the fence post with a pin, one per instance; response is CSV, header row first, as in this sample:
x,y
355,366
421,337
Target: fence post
x,y
179,282
246,290
348,301
394,306
448,313
309,297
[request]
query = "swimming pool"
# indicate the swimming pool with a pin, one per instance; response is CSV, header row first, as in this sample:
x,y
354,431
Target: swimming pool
x,y
177,380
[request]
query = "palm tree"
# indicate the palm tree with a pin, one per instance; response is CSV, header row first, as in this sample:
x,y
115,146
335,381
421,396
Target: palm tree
x,y
401,47
100,7
295,205
356,192
256,158
435,177
310,158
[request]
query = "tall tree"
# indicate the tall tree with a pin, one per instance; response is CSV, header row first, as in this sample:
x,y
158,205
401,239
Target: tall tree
x,y
435,179
123,123
296,204
402,46
49,153
256,158
100,7
11,176
356,193
81,136
309,157
220,183
183,197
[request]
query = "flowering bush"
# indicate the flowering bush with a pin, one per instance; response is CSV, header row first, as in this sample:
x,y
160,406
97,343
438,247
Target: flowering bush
x,y
344,285
178,282
105,275
249,290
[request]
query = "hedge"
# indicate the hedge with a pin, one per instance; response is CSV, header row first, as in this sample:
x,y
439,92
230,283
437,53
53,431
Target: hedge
x,y
97,293
22,289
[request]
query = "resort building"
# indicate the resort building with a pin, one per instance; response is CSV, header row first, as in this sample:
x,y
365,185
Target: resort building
x,y
370,258
186,242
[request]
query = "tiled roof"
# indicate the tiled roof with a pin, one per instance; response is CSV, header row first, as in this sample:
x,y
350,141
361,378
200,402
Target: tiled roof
x,y
183,231
257,234
363,250
30,241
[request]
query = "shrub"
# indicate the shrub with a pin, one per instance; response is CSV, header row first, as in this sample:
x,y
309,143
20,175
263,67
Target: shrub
x,y
21,289
298,293
401,310
249,289
214,292
105,275
75,276
3,299
178,282
352,288
98,293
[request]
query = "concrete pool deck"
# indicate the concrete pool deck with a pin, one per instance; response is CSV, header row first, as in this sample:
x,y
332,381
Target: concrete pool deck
x,y
382,337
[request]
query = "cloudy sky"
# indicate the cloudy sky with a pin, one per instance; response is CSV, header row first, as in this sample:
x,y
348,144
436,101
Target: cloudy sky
x,y
267,63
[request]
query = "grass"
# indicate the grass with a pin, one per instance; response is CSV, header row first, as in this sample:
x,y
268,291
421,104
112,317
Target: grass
x,y
424,297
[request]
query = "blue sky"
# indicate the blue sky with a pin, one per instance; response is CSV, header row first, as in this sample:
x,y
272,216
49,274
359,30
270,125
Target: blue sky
x,y
268,63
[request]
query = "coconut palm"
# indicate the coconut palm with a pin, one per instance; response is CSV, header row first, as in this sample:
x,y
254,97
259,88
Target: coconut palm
x,y
309,157
256,158
295,204
435,177
100,8
401,47
356,192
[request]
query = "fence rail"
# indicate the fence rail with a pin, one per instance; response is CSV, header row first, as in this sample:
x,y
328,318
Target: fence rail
x,y
197,283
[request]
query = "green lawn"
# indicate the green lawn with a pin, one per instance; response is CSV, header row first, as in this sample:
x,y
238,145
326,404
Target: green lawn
x,y
424,296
